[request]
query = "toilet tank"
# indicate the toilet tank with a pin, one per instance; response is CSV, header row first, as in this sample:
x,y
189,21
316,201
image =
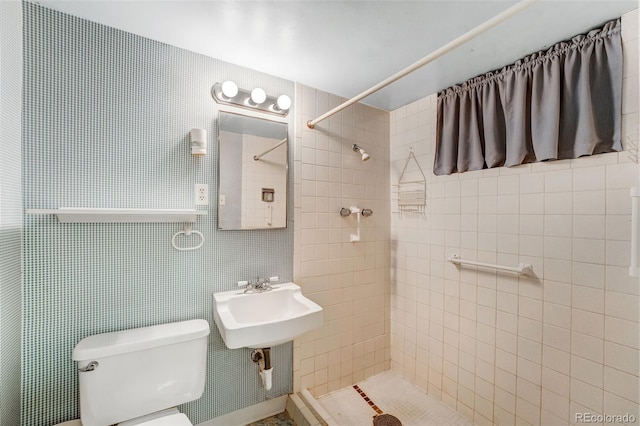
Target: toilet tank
x,y
140,371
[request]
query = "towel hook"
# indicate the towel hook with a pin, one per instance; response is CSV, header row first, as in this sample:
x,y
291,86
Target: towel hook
x,y
187,231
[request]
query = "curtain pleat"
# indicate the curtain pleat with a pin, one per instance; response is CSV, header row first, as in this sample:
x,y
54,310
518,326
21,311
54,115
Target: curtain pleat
x,y
493,125
470,154
546,92
447,157
564,102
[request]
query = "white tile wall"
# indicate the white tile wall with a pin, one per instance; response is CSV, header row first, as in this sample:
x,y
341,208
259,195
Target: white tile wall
x,y
349,280
260,174
503,350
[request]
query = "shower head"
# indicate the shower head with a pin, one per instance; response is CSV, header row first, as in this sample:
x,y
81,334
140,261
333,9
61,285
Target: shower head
x,y
362,152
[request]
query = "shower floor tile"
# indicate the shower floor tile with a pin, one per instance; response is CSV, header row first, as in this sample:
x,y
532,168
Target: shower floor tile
x,y
393,395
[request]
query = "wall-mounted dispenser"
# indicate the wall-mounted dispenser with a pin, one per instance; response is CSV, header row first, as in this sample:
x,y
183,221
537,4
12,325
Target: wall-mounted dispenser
x,y
198,139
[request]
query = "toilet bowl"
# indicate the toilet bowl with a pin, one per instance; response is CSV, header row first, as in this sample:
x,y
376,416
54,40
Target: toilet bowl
x,y
137,377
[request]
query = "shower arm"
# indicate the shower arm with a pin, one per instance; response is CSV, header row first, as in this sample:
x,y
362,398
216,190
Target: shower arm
x,y
503,16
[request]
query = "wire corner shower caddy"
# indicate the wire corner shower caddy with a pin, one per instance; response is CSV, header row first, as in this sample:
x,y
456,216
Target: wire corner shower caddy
x,y
412,191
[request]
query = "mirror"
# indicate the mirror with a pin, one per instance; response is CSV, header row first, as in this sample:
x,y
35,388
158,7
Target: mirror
x,y
252,179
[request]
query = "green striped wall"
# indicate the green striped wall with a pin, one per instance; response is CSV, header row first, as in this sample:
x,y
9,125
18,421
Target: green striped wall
x,y
10,210
106,122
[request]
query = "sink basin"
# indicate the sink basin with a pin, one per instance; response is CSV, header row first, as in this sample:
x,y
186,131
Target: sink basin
x,y
262,320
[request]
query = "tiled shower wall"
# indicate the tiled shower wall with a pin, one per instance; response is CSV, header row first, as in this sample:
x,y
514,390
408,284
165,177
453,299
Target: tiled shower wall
x,y
256,175
350,280
106,124
10,210
506,350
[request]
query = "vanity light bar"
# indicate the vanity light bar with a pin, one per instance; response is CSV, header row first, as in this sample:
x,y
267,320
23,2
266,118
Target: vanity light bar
x,y
229,93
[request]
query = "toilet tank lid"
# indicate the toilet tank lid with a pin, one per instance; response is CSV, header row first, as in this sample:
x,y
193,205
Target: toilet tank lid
x,y
136,339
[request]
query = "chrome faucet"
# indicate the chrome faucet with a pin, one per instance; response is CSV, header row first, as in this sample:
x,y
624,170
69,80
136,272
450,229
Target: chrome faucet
x,y
262,285
259,285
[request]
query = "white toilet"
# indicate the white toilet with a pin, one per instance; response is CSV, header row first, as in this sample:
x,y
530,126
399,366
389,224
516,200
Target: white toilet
x,y
139,376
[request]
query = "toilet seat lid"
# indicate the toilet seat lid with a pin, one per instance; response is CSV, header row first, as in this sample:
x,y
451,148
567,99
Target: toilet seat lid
x,y
178,419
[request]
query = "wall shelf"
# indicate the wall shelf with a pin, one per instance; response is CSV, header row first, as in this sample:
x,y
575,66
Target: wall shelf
x,y
99,215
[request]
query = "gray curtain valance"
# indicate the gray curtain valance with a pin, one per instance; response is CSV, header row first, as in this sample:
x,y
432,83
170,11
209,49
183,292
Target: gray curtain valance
x,y
561,103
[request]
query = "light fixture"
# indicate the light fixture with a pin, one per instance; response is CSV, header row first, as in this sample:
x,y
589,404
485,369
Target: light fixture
x,y
258,96
229,89
362,152
283,103
228,93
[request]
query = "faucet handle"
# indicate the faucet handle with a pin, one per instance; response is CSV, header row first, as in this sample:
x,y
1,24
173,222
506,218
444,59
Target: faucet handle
x,y
249,286
266,283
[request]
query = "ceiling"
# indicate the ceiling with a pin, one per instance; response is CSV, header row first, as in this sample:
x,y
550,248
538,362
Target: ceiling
x,y
345,47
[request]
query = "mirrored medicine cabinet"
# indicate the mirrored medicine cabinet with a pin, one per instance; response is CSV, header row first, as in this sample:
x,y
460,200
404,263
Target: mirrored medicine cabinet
x,y
252,173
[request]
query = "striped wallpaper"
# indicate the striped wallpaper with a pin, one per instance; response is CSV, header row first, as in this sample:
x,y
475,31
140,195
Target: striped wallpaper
x,y
107,116
10,210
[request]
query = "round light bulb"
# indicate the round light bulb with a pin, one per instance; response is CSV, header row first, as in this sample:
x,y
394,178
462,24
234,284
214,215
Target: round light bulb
x,y
283,102
229,89
258,96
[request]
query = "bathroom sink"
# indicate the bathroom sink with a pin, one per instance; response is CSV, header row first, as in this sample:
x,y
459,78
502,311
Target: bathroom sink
x,y
262,320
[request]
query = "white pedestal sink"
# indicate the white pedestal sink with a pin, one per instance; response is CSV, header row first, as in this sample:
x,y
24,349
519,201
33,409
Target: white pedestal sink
x,y
263,320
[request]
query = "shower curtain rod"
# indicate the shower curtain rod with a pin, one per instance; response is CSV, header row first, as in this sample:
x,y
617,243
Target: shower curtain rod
x,y
257,157
503,16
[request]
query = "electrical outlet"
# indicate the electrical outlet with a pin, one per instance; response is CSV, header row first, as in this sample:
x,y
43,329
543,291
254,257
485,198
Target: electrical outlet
x,y
223,200
202,194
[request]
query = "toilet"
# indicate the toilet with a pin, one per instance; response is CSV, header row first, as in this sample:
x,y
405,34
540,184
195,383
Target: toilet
x,y
139,376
